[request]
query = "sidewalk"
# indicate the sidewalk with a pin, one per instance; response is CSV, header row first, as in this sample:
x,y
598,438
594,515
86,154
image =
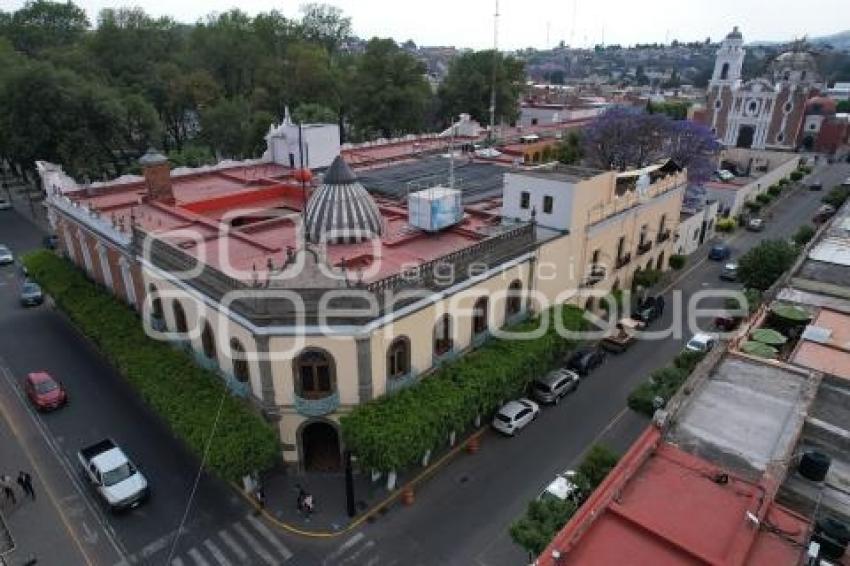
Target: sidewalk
x,y
29,208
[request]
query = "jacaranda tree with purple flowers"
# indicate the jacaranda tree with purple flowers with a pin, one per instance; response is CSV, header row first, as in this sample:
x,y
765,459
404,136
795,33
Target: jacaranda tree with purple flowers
x,y
623,138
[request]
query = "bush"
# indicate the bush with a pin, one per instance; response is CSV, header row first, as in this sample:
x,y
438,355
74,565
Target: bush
x,y
753,206
395,431
795,176
663,383
782,182
774,190
760,267
804,235
184,395
764,198
804,169
837,196
725,225
543,519
646,278
678,261
752,298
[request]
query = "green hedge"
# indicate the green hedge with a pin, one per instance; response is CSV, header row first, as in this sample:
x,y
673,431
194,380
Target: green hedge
x,y
395,431
764,198
725,225
796,175
837,196
184,395
543,519
663,382
774,190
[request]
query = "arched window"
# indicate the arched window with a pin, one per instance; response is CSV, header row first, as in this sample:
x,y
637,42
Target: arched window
x,y
443,342
398,358
480,324
180,324
315,374
208,340
724,72
513,304
241,369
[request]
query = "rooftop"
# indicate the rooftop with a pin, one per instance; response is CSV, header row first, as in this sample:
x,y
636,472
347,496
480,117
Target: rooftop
x,y
562,173
830,351
746,415
662,505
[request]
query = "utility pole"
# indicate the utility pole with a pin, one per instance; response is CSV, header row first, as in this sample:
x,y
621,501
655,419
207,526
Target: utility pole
x,y
495,62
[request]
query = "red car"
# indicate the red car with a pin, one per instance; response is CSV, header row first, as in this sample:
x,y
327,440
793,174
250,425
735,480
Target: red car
x,y
45,392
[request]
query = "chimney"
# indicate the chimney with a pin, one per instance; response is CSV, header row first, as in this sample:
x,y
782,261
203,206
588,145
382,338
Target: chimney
x,y
157,177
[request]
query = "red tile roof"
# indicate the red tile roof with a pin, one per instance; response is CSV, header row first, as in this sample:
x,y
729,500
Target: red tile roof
x,y
663,506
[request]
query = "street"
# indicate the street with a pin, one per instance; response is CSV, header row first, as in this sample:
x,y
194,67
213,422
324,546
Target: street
x,y
218,522
461,515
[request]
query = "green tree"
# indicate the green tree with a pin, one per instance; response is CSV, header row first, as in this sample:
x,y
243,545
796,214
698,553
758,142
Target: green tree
x,y
760,267
598,462
232,131
468,85
388,94
42,25
310,113
325,25
803,235
543,519
568,150
843,106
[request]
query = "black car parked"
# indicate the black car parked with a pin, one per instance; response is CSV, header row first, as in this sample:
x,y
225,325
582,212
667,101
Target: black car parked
x,y
649,309
586,360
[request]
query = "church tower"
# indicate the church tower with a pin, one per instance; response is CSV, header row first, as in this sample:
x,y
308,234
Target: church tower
x,y
729,61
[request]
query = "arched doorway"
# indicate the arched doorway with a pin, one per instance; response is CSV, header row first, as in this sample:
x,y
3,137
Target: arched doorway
x,y
745,136
660,265
320,451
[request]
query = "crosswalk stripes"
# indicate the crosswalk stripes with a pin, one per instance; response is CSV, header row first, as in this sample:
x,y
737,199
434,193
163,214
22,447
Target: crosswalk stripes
x,y
358,551
217,553
246,542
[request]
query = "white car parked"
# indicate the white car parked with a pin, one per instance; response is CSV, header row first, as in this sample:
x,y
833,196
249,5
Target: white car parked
x,y
6,256
562,488
701,342
515,415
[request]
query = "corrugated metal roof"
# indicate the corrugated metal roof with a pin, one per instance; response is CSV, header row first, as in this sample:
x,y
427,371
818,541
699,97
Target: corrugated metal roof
x,y
832,250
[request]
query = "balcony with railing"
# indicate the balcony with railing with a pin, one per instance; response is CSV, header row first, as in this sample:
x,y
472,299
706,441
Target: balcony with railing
x,y
644,247
632,199
624,260
596,274
317,407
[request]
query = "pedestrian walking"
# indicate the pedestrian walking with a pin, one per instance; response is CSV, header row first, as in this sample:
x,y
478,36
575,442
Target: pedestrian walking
x,y
25,481
299,502
260,495
308,504
8,490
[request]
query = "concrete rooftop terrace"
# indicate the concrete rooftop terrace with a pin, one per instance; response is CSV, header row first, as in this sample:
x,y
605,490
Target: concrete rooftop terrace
x,y
663,506
237,220
747,415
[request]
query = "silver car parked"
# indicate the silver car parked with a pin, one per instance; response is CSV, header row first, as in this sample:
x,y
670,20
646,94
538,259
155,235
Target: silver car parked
x,y
554,385
515,415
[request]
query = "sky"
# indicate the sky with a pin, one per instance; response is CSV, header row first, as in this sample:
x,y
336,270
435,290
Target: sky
x,y
538,23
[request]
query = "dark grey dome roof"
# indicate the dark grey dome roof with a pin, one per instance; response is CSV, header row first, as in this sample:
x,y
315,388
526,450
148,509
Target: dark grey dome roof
x,y
341,210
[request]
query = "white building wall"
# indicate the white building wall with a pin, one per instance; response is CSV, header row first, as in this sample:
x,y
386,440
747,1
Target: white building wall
x,y
562,200
320,142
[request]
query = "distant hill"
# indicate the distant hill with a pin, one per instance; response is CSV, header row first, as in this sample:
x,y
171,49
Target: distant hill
x,y
839,41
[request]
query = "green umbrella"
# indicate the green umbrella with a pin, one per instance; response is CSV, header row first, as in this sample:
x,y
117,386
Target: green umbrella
x,y
792,313
760,350
768,336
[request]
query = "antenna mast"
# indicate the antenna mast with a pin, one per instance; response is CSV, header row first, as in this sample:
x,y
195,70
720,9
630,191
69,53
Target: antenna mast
x,y
495,62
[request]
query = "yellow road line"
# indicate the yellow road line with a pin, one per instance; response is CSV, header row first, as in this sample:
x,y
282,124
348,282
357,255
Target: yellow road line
x,y
44,482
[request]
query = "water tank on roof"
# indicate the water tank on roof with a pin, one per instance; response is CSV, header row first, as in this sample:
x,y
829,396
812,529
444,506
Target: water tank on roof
x,y
434,209
814,465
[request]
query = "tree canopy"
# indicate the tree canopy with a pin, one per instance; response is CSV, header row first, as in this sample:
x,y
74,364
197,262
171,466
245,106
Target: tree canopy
x,y
468,86
760,267
200,92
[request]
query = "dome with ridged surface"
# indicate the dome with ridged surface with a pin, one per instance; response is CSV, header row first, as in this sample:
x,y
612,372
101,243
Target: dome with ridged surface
x,y
341,211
